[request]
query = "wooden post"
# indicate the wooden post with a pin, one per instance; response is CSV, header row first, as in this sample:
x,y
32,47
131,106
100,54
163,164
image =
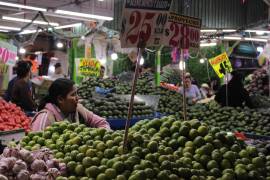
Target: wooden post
x,y
183,83
131,102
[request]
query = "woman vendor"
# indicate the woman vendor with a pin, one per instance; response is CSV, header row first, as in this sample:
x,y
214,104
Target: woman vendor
x,y
62,104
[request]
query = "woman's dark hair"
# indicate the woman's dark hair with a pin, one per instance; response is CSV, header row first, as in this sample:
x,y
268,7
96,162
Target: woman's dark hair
x,y
57,65
60,87
22,69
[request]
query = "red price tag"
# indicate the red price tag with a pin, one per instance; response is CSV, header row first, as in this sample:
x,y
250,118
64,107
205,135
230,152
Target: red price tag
x,y
144,21
147,26
182,31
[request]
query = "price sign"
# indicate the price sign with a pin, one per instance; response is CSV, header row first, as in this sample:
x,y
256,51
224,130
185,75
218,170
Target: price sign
x,y
144,20
182,31
89,67
221,64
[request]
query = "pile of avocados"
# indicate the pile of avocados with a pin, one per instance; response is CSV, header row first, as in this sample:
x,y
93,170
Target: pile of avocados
x,y
112,107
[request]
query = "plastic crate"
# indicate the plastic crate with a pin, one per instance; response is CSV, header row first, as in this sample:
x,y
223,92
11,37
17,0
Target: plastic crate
x,y
255,136
118,124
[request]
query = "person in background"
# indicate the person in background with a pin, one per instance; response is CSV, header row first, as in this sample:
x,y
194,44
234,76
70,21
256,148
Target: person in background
x,y
206,92
192,91
237,94
7,95
58,72
102,71
193,81
62,104
215,84
21,93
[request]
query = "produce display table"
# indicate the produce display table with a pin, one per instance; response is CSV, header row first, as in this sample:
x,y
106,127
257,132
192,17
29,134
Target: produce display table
x,y
8,136
118,124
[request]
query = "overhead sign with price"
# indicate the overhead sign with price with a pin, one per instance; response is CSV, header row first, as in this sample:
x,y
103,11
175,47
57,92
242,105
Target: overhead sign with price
x,y
221,64
144,20
182,31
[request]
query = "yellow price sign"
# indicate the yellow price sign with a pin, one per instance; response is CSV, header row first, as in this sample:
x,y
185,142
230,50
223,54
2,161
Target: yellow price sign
x,y
221,64
89,67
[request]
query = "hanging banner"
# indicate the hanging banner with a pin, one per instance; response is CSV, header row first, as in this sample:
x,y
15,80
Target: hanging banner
x,y
144,20
88,67
221,64
8,53
182,31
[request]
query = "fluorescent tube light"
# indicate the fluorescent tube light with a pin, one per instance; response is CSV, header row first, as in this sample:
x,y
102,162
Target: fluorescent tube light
x,y
256,39
28,21
71,13
68,26
258,31
232,38
229,30
22,6
208,30
10,28
208,44
30,31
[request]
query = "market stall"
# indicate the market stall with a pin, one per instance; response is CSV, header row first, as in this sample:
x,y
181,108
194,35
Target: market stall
x,y
140,79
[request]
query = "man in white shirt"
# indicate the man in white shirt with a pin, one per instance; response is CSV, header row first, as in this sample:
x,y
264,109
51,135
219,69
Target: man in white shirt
x,y
58,72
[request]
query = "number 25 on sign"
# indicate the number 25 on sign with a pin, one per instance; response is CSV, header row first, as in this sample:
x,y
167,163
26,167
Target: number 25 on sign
x,y
147,26
182,31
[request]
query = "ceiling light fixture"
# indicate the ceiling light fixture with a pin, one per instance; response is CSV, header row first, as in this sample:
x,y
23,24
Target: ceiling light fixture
x,y
68,26
10,28
71,13
22,51
202,60
29,21
2,30
208,44
232,38
28,31
22,6
83,38
114,56
258,31
59,45
229,30
256,39
208,30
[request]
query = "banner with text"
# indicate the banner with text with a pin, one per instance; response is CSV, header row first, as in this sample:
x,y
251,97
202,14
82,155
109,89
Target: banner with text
x,y
144,20
8,53
182,31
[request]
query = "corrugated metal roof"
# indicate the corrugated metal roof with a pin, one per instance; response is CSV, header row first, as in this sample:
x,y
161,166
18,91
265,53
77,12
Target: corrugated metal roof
x,y
214,13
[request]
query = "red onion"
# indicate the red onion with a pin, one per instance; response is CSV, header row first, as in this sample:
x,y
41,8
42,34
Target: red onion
x,y
10,161
3,167
19,166
23,175
53,172
50,163
38,165
38,177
